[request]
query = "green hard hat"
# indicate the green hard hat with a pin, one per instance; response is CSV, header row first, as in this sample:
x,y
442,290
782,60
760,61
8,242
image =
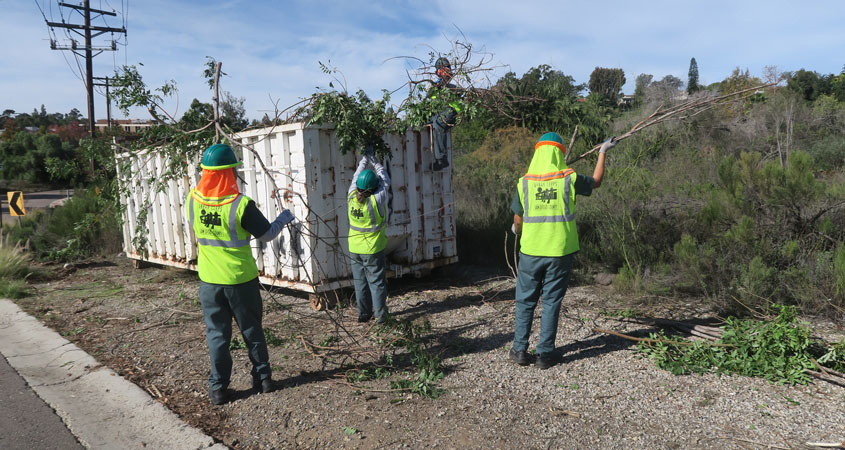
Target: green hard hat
x,y
367,181
219,157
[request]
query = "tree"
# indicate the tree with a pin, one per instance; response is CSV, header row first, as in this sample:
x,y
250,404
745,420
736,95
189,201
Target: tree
x,y
692,81
233,113
607,84
198,115
552,88
642,83
809,84
73,115
665,89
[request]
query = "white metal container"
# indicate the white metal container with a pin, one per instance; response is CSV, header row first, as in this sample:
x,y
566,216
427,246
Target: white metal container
x,y
313,177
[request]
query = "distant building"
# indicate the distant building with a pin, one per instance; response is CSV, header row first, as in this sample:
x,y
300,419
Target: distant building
x,y
626,100
128,125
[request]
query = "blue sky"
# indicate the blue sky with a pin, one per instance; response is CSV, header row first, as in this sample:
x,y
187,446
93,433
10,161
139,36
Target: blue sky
x,y
270,49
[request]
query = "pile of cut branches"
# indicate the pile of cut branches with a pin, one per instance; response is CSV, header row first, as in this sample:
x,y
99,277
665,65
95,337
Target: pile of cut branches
x,y
780,350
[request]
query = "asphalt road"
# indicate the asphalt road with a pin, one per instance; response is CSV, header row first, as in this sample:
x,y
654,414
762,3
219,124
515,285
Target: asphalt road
x,y
33,201
26,422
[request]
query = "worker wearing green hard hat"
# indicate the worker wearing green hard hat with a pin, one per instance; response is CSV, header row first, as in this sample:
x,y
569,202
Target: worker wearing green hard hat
x,y
544,215
223,221
368,212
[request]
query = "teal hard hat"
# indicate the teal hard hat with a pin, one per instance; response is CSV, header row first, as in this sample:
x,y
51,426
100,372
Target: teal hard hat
x,y
219,157
367,181
551,137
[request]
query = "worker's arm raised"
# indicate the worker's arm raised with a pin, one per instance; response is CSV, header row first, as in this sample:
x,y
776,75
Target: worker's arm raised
x,y
598,173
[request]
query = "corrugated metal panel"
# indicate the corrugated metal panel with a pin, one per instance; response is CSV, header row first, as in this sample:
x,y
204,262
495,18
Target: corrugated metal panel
x,y
312,176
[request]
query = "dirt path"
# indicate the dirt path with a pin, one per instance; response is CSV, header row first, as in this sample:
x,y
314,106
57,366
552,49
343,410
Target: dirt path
x,y
146,324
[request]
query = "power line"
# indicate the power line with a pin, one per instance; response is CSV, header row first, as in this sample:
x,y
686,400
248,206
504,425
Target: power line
x,y
89,32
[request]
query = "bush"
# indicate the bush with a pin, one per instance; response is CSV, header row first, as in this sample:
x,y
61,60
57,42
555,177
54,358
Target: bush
x,y
14,267
85,226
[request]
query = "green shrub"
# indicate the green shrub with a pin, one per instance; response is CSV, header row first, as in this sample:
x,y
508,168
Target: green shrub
x,y
14,268
84,226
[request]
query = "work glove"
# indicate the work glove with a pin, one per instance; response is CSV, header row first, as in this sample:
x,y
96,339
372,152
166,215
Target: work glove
x,y
608,144
370,151
285,217
513,229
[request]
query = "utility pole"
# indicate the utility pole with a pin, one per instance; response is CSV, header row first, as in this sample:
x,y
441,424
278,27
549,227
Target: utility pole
x,y
87,29
105,83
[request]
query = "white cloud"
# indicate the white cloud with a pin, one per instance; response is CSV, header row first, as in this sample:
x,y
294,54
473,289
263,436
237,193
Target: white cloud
x,y
272,49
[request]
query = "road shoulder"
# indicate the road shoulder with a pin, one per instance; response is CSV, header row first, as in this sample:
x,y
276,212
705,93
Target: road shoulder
x,y
100,408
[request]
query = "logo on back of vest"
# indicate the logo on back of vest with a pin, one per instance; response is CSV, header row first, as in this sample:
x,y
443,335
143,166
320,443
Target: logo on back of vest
x,y
210,219
357,213
546,195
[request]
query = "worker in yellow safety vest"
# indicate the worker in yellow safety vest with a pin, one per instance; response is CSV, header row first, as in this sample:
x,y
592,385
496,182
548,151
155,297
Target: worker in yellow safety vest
x,y
223,221
368,212
544,215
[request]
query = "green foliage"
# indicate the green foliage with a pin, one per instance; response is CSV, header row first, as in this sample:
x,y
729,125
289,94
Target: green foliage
x,y
409,338
85,226
271,338
237,344
810,85
607,84
778,350
357,120
14,268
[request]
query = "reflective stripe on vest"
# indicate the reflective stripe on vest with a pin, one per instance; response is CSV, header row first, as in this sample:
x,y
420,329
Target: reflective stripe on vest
x,y
548,221
366,230
225,256
373,219
233,241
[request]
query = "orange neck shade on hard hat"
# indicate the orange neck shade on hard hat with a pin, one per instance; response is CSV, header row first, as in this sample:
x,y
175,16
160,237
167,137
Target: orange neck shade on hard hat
x,y
217,183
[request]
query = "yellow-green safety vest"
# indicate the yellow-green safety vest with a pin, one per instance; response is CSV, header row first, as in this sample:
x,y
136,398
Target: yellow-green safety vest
x,y
225,256
548,221
366,226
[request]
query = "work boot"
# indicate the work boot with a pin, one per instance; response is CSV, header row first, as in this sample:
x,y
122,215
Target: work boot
x,y
440,164
546,360
264,386
520,358
218,396
364,319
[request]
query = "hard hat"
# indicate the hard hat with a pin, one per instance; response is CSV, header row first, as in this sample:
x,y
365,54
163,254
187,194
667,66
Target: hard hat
x,y
551,138
367,181
219,157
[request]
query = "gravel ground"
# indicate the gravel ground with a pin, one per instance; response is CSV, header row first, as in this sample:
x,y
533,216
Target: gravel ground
x,y
146,325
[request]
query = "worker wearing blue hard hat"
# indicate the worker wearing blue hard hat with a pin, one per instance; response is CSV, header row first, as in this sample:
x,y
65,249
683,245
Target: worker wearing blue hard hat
x,y
544,216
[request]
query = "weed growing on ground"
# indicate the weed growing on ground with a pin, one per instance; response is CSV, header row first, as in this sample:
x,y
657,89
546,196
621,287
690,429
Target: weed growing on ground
x,y
407,339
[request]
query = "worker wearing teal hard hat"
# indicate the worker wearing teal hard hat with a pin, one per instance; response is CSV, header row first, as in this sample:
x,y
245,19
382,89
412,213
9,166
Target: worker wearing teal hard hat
x,y
544,216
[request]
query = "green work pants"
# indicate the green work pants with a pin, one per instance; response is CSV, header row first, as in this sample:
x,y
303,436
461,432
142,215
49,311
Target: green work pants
x,y
369,272
221,303
538,275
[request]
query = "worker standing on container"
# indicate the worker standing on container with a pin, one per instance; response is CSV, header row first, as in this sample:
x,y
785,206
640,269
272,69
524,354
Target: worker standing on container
x,y
544,213
442,122
223,220
367,196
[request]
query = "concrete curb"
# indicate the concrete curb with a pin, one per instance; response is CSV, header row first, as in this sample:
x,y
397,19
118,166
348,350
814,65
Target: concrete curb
x,y
99,407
